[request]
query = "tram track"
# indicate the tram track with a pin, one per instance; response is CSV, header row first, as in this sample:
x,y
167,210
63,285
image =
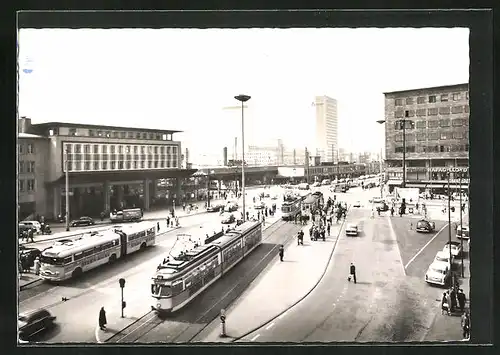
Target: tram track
x,y
184,325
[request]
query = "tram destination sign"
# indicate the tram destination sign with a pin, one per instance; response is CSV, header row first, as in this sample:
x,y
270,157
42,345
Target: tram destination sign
x,y
450,170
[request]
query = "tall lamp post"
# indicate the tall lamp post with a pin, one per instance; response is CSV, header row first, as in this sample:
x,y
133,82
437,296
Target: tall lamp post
x,y
66,163
243,99
381,185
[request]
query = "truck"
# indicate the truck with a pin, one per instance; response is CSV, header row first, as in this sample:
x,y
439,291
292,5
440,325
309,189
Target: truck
x,y
126,215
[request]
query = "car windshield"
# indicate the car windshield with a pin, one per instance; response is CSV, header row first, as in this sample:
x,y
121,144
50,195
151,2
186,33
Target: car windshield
x,y
438,270
441,258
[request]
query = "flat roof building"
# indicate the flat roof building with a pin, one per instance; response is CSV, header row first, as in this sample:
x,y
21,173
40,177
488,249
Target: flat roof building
x,y
437,134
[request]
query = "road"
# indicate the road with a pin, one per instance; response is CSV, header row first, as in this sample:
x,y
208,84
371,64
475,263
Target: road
x,y
388,303
77,317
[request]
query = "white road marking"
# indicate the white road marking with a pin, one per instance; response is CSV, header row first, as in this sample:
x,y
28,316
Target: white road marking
x,y
139,327
284,314
394,237
270,326
425,246
255,337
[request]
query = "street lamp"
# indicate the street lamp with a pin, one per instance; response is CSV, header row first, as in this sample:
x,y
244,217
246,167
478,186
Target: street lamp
x,y
243,99
67,188
381,186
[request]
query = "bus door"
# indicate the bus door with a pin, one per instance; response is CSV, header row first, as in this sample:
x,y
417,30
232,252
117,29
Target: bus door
x,y
123,243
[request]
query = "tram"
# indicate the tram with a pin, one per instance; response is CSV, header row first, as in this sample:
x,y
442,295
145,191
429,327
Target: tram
x,y
312,203
290,209
184,276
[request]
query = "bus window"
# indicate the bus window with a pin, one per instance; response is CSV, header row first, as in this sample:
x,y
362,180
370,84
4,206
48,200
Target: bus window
x,y
51,261
88,252
78,256
68,260
177,287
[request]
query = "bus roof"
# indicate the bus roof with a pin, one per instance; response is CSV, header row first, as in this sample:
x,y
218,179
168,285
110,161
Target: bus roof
x,y
135,227
86,241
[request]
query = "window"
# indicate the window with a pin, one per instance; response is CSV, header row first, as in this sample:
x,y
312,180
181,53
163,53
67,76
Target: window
x,y
115,134
136,149
458,135
433,136
409,100
96,165
113,165
444,149
151,136
104,165
421,124
127,149
444,110
150,164
86,148
456,96
78,148
445,122
91,133
136,164
31,148
421,112
156,149
21,167
399,114
104,149
128,165
95,148
120,149
21,148
457,109
30,167
86,166
432,99
162,150
409,113
130,135
445,135
156,164
421,100
421,136
143,164
466,108
162,163
108,134
120,165
444,97
138,135
433,124
457,122
143,149
123,134
70,166
21,186
158,136
31,185
113,149
100,133
52,132
144,135
432,111
72,132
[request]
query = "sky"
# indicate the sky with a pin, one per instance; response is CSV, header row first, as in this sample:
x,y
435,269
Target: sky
x,y
186,79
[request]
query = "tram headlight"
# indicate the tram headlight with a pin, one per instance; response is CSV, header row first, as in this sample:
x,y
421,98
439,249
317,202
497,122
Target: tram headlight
x,y
158,306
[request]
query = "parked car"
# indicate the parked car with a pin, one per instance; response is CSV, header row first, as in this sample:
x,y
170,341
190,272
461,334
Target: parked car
x,y
83,221
443,257
425,226
456,248
463,232
438,273
382,206
259,205
30,253
352,229
33,322
231,207
357,204
215,207
228,219
35,225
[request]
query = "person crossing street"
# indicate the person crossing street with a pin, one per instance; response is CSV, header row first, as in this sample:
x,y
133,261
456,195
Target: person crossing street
x,y
352,273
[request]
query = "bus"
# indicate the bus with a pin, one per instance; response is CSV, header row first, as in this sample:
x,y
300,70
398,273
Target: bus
x,y
126,215
340,187
68,258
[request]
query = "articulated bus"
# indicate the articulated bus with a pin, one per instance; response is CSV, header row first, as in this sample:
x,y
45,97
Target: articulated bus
x,y
69,258
184,276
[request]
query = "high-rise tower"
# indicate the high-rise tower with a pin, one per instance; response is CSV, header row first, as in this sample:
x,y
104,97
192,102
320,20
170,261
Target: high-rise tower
x,y
326,139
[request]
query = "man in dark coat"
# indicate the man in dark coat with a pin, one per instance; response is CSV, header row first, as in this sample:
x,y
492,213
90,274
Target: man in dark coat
x,y
102,319
453,296
281,252
352,273
461,299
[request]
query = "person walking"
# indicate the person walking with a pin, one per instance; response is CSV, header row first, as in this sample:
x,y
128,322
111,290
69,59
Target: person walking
x,y
453,295
352,273
461,299
445,306
158,226
328,229
281,252
465,323
448,300
102,319
37,265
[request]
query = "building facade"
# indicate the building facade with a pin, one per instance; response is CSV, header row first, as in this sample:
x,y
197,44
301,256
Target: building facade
x,y
437,134
262,156
326,132
108,167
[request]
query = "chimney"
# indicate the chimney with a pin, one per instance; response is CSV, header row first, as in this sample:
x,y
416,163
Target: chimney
x,y
187,157
24,124
224,155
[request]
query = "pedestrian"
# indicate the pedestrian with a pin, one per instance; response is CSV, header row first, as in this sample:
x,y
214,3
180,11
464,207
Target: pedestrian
x,y
30,235
445,306
392,211
20,268
102,319
453,295
263,220
158,226
328,229
461,299
411,225
448,300
168,221
37,266
352,273
267,212
281,252
248,214
465,323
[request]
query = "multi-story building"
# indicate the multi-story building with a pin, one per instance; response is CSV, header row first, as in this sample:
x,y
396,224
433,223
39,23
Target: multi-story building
x,y
262,156
437,134
326,139
108,167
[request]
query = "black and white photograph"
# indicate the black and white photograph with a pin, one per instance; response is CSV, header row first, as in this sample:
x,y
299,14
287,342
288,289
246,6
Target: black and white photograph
x,y
243,185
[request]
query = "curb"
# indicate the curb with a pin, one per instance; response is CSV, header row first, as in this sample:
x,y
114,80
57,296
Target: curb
x,y
21,287
305,295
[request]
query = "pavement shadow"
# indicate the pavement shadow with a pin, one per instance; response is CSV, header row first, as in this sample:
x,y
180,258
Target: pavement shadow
x,y
363,283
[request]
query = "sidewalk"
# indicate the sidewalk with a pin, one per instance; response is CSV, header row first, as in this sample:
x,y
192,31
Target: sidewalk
x,y
280,286
138,308
27,279
448,328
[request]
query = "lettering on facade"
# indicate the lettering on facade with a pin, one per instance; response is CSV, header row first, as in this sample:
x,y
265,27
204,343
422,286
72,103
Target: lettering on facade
x,y
450,170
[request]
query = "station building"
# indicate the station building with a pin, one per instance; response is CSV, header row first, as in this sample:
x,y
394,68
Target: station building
x,y
108,168
437,135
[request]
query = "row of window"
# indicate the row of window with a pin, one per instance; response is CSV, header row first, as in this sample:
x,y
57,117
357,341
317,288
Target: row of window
x,y
433,136
444,122
433,148
107,157
433,111
26,185
28,148
119,165
120,148
114,134
26,167
457,96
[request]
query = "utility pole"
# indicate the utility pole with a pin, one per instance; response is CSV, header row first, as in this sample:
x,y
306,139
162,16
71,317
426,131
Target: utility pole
x,y
67,188
307,165
461,226
404,154
449,231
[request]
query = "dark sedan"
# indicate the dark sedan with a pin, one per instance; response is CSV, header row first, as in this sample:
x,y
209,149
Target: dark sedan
x,y
215,208
425,226
83,221
29,253
228,219
33,322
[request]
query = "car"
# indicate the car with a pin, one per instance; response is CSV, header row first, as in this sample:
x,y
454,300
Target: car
x,y
443,257
275,197
30,253
83,221
352,229
35,225
259,205
231,207
463,232
456,248
215,208
34,322
376,200
228,219
316,184
356,204
425,226
438,273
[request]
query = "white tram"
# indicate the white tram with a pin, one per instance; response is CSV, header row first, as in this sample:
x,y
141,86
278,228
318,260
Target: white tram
x,y
180,279
290,209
